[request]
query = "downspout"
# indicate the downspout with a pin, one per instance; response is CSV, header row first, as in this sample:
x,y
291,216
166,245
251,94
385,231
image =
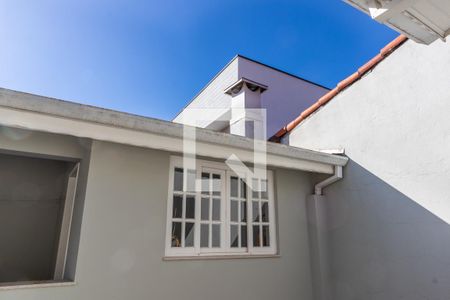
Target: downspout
x,y
318,237
330,180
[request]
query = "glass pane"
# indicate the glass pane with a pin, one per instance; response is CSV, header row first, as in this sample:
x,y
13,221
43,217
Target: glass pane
x,y
234,236
243,189
204,235
266,237
189,235
190,207
234,211
256,238
264,191
177,209
216,210
255,211
243,236
176,234
243,211
205,209
217,185
178,179
234,187
190,181
205,183
265,211
216,235
255,188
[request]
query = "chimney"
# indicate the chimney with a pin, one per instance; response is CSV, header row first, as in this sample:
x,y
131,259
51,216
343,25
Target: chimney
x,y
247,117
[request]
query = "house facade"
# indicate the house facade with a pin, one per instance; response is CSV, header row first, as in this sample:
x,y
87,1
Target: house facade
x,y
99,204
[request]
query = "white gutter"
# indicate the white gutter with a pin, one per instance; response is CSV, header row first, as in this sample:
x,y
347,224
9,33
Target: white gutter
x,y
330,180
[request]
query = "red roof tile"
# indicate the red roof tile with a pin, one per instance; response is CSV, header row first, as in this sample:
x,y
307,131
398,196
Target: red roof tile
x,y
388,49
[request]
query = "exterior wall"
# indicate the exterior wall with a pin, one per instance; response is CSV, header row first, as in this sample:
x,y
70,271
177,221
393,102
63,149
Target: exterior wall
x,y
123,236
212,96
286,96
389,233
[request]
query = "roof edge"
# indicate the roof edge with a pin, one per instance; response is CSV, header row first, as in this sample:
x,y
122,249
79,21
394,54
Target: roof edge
x,y
281,71
385,52
205,86
249,59
109,125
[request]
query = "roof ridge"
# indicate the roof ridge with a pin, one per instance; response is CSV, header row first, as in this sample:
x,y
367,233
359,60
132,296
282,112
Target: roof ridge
x,y
384,52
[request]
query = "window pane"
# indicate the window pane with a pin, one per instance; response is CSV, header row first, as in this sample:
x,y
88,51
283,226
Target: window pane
x,y
266,237
178,179
217,185
256,238
234,187
216,210
264,191
190,207
205,183
176,234
255,188
243,211
255,211
190,181
265,211
243,236
204,235
243,189
234,236
234,211
216,235
189,235
205,209
177,209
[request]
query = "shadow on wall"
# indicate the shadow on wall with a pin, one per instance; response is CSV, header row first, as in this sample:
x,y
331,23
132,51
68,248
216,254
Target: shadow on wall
x,y
382,244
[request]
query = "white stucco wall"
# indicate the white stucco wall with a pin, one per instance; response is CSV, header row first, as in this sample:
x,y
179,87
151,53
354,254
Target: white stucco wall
x,y
123,234
389,232
212,96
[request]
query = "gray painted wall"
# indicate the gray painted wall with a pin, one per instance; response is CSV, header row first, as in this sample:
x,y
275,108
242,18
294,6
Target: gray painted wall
x,y
122,240
389,233
31,199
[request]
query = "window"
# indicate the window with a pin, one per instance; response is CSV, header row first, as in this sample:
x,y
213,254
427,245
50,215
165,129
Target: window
x,y
37,197
212,211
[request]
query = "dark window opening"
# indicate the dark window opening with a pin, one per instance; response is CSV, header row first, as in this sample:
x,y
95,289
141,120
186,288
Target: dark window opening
x,y
36,202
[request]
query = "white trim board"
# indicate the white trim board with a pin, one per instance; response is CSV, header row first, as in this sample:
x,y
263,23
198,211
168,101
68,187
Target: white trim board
x,y
55,116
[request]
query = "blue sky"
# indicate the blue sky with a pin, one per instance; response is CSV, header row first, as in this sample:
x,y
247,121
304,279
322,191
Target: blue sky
x,y
151,57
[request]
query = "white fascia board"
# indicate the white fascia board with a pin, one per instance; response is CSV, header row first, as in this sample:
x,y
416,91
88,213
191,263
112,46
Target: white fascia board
x,y
20,110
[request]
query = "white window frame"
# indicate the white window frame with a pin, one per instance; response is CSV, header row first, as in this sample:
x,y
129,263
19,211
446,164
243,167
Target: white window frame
x,y
225,249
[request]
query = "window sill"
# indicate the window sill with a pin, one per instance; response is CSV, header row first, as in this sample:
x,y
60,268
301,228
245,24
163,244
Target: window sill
x,y
34,284
220,257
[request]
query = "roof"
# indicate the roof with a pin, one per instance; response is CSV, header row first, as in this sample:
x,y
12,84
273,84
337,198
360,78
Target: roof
x,y
388,49
33,112
424,21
